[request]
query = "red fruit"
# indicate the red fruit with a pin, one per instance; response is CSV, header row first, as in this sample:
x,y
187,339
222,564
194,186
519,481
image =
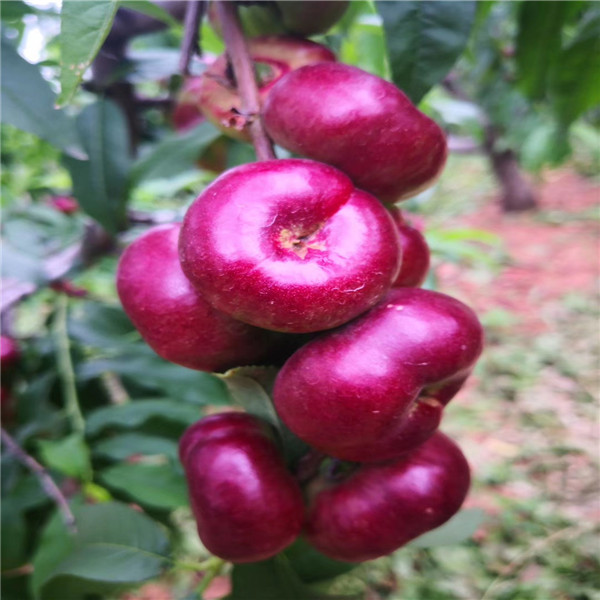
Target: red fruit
x,y
64,204
289,245
9,353
415,253
214,93
246,504
376,388
173,317
381,507
360,124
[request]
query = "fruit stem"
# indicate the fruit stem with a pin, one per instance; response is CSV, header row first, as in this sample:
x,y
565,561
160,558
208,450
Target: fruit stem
x,y
243,69
191,36
65,366
47,483
214,566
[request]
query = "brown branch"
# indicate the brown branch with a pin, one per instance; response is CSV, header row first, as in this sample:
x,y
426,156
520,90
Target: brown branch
x,y
45,480
191,34
243,69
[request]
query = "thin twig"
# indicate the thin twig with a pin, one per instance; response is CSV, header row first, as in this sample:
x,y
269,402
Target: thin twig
x,y
45,480
214,566
243,69
533,551
191,34
65,367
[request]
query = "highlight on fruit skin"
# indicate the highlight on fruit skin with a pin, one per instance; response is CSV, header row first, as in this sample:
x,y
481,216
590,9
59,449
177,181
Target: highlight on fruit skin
x,y
359,123
379,384
289,245
173,317
381,507
247,506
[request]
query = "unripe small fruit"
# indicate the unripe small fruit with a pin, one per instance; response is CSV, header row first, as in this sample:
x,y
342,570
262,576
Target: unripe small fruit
x,y
381,507
173,317
214,93
359,123
246,504
376,387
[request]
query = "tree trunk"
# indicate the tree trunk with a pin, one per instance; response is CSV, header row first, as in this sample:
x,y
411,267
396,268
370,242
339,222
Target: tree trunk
x,y
517,192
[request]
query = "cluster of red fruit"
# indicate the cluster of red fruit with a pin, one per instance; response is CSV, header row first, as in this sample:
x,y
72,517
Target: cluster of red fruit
x,y
278,248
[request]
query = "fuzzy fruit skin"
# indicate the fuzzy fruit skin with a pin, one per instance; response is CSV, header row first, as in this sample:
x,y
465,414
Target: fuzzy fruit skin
x,y
212,95
9,353
246,504
415,253
173,317
376,388
381,507
359,123
289,245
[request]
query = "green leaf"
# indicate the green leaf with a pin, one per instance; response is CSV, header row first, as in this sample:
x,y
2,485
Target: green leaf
x,y
14,535
100,183
151,10
69,455
538,43
114,545
272,579
142,365
157,486
134,414
424,39
574,83
84,26
28,104
459,528
250,393
311,566
100,325
126,445
176,154
364,44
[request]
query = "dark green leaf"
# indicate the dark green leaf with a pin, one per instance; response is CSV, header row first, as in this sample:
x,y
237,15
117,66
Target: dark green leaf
x,y
574,81
158,486
14,535
15,10
311,566
101,326
458,529
69,455
134,414
28,104
123,446
538,43
114,545
175,154
100,183
84,26
424,39
150,9
140,364
272,579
